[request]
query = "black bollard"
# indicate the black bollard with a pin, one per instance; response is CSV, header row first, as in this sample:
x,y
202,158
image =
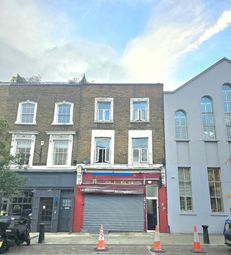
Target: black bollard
x,y
41,232
205,234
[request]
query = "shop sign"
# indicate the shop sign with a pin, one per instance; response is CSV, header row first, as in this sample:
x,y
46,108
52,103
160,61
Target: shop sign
x,y
110,191
119,182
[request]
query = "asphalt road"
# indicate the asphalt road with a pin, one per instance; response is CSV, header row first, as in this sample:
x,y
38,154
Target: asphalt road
x,y
45,249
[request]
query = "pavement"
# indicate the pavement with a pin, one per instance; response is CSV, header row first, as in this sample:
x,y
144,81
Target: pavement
x,y
123,238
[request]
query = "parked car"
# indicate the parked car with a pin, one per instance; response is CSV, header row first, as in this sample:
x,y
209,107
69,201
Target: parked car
x,y
227,232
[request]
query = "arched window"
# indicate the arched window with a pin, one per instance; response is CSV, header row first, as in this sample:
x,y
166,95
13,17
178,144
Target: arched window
x,y
226,92
208,118
27,113
181,125
63,114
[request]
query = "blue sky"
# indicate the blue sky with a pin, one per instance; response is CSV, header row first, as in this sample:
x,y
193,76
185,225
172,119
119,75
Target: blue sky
x,y
167,41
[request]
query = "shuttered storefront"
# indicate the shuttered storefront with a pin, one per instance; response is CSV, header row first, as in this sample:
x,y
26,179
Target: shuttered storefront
x,y
115,212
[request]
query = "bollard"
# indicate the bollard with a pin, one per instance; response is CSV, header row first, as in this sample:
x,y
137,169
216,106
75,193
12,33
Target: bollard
x,y
41,232
205,234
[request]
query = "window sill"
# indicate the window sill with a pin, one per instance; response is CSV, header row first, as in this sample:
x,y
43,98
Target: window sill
x,y
219,214
188,214
211,141
20,123
63,124
182,140
139,121
104,121
58,166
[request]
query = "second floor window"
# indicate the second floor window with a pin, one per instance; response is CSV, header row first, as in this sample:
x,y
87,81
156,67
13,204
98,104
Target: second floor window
x,y
226,91
208,118
104,109
180,125
26,113
139,109
140,150
102,149
63,113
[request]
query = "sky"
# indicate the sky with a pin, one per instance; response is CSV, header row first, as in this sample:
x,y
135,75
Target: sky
x,y
141,41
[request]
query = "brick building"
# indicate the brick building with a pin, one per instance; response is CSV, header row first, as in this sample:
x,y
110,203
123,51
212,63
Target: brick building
x,y
95,153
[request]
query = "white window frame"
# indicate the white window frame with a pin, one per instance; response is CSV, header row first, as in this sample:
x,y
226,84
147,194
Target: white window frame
x,y
65,136
134,100
19,113
103,134
55,120
214,183
181,130
207,114
184,182
139,134
103,100
226,91
23,136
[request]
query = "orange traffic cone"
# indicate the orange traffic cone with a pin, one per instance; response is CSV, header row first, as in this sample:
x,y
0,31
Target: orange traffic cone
x,y
196,244
156,245
101,243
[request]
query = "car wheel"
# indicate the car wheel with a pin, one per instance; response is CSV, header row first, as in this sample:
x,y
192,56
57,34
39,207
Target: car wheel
x,y
4,247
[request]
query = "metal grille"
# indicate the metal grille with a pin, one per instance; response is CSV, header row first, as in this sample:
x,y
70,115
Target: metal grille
x,y
115,212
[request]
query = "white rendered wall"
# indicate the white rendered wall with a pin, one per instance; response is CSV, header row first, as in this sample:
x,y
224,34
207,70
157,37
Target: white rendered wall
x,y
196,153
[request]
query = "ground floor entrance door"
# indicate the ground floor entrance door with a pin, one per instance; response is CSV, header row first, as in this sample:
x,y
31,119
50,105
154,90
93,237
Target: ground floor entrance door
x,y
65,211
45,212
151,214
151,206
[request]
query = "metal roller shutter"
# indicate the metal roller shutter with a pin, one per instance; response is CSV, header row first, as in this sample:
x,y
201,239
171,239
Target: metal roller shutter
x,y
115,212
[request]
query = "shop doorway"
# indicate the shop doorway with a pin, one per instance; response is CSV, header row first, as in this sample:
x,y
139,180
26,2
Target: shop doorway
x,y
45,212
151,214
152,206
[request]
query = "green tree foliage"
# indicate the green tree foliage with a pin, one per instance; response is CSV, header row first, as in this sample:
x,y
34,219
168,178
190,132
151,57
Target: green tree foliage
x,y
10,181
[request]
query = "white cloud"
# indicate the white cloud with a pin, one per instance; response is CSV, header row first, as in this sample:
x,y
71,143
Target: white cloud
x,y
34,40
222,23
174,30
153,56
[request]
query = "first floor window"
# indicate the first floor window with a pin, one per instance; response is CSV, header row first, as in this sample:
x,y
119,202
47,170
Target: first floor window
x,y
140,150
185,189
60,150
102,146
215,190
140,147
102,149
22,147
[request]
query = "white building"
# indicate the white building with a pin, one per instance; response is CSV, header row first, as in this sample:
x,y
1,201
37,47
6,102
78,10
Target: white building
x,y
198,144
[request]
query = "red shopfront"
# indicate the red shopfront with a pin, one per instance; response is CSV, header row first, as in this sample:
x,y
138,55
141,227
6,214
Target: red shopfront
x,y
120,201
